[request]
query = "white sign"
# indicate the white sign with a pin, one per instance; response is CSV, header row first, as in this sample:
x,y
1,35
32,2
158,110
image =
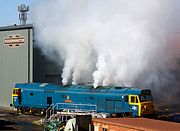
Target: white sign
x,y
14,40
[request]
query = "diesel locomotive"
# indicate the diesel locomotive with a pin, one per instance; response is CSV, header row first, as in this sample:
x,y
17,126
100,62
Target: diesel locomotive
x,y
114,100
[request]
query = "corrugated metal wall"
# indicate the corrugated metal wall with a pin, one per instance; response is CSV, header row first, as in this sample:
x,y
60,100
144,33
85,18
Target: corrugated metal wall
x,y
15,61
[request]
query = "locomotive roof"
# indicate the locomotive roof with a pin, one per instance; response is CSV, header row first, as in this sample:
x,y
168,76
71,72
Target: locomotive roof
x,y
78,88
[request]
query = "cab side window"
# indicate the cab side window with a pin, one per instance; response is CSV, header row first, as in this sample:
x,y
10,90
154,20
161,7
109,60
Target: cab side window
x,y
134,99
126,98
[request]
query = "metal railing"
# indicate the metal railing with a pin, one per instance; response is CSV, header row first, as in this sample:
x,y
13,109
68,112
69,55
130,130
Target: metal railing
x,y
70,108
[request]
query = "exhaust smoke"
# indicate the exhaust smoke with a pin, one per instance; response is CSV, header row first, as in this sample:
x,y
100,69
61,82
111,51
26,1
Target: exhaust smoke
x,y
106,42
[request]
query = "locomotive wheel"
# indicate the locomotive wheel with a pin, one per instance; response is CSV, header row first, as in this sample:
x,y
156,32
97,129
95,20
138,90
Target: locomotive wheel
x,y
31,111
130,115
42,113
123,114
19,111
22,111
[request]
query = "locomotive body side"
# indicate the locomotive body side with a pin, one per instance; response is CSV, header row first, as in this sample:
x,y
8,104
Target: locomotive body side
x,y
111,100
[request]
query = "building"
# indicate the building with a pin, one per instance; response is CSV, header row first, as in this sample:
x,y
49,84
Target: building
x,y
132,124
21,61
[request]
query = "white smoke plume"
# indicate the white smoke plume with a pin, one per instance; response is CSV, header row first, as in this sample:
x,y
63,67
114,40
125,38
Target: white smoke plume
x,y
104,41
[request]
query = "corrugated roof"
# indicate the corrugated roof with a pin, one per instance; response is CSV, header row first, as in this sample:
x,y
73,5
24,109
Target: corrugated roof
x,y
139,123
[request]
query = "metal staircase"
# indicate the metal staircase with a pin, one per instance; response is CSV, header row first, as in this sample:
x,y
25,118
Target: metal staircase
x,y
63,111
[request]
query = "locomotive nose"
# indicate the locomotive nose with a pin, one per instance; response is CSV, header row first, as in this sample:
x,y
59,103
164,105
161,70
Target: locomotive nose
x,y
147,108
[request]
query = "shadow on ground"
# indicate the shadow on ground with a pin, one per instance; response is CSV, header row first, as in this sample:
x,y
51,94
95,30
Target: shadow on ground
x,y
4,125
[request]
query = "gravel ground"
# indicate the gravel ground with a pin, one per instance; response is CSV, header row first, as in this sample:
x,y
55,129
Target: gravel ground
x,y
10,120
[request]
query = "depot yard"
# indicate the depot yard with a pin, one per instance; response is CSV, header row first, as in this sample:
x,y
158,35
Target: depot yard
x,y
10,120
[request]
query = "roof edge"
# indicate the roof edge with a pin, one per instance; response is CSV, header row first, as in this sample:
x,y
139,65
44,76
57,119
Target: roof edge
x,y
16,27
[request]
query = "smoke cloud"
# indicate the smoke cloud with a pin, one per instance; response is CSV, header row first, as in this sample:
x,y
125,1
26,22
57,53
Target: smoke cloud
x,y
106,42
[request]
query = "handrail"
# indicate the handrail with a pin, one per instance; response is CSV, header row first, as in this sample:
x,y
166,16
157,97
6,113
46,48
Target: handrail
x,y
69,106
48,112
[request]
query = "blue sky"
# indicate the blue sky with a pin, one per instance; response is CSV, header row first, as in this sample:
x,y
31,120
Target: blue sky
x,y
9,13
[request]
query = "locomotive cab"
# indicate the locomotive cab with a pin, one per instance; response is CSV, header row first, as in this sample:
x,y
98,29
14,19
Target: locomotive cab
x,y
16,97
141,105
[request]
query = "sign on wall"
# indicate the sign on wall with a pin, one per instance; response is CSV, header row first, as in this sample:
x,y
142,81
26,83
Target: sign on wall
x,y
14,40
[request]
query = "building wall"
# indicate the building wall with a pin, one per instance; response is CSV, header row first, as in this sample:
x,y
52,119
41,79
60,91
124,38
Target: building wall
x,y
15,60
45,70
23,63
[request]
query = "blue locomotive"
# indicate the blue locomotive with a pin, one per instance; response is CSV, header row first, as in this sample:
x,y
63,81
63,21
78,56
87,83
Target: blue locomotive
x,y
111,99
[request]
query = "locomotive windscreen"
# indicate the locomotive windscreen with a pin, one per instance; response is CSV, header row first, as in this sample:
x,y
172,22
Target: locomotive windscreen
x,y
145,96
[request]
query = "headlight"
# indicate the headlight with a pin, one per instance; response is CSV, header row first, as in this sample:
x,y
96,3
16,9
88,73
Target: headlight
x,y
145,107
134,107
